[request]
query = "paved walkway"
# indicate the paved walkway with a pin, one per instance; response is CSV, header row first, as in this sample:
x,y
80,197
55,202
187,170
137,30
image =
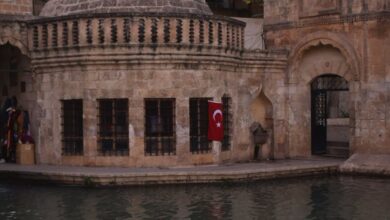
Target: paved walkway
x,y
144,176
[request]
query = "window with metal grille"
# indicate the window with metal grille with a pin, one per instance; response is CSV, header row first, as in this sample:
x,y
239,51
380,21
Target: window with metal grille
x,y
227,123
113,137
160,135
199,123
72,127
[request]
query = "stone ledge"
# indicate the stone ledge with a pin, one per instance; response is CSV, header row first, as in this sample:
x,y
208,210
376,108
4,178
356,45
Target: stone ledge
x,y
367,164
150,176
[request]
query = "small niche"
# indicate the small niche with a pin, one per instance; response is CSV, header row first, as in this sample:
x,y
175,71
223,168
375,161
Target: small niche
x,y
262,111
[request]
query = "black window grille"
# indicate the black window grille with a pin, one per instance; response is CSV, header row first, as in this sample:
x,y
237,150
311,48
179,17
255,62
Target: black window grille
x,y
227,123
199,123
113,137
72,127
160,135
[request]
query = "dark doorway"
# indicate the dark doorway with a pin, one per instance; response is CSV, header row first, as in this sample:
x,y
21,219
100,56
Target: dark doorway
x,y
330,116
16,101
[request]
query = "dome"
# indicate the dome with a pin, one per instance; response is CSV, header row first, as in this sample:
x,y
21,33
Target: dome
x,y
76,7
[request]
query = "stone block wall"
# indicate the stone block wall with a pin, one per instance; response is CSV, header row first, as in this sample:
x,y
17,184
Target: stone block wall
x,y
136,82
16,7
284,11
362,42
195,58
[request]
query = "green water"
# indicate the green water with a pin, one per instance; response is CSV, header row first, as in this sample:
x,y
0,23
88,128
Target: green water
x,y
304,198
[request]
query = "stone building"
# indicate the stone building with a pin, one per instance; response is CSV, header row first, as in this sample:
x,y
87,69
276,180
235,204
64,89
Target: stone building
x,y
126,82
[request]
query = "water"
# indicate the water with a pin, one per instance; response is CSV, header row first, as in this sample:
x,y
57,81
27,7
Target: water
x,y
304,198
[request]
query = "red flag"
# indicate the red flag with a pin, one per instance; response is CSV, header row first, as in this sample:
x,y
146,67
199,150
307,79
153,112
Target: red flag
x,y
215,121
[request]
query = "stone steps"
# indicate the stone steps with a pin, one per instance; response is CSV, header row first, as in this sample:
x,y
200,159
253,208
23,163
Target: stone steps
x,y
337,149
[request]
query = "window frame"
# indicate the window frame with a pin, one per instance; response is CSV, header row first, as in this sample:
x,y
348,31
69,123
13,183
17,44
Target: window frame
x,y
112,135
199,123
160,140
76,135
227,123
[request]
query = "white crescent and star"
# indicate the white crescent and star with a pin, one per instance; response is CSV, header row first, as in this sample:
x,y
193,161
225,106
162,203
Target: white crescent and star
x,y
217,112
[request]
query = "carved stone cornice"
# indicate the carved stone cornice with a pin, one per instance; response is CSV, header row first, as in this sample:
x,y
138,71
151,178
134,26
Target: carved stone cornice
x,y
328,20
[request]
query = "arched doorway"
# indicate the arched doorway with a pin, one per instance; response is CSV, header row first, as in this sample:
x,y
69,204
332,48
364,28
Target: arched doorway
x,y
330,116
17,99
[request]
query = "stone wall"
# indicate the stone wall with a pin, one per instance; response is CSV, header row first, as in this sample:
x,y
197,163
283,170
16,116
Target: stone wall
x,y
284,11
19,7
197,57
359,55
136,82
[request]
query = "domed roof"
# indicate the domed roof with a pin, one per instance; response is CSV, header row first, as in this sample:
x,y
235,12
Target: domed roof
x,y
72,7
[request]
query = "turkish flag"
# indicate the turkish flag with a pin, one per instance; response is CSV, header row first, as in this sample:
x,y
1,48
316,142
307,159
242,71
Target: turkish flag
x,y
215,121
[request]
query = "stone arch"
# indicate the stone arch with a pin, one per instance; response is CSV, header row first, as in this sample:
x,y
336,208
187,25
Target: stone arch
x,y
16,43
350,70
262,110
315,55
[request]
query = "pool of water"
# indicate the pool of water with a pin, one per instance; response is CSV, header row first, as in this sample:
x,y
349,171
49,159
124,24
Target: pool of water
x,y
304,198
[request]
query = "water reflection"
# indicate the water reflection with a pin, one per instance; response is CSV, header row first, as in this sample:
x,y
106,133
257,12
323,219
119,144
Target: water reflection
x,y
307,198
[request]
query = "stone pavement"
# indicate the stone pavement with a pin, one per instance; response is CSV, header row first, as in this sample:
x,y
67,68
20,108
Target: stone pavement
x,y
105,176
